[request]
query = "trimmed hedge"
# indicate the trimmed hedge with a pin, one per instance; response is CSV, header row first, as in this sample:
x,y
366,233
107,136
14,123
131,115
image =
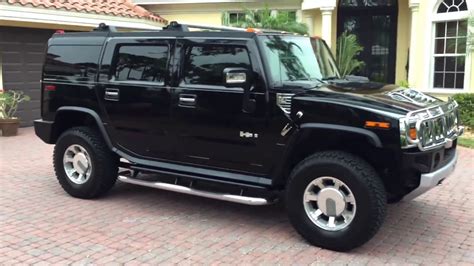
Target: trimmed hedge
x,y
466,108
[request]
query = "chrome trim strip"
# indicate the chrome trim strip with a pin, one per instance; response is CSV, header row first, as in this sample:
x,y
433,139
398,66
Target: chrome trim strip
x,y
195,192
431,180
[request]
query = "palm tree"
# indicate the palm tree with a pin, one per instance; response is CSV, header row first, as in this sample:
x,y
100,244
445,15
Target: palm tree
x,y
348,48
264,19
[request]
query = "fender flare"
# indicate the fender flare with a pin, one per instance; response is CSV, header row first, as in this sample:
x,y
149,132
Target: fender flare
x,y
279,172
371,136
92,114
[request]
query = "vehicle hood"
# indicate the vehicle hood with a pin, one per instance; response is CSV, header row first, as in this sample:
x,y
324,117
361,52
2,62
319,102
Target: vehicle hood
x,y
373,95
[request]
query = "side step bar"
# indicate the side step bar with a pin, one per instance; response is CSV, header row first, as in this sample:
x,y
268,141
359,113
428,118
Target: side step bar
x,y
191,191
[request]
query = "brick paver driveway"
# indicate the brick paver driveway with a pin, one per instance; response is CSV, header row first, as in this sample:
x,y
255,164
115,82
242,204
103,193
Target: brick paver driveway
x,y
40,223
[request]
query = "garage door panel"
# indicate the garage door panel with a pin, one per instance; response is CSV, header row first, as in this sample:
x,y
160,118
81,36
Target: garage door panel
x,y
35,48
10,57
33,58
22,60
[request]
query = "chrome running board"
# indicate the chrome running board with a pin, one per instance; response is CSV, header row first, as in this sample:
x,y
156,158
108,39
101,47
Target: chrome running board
x,y
195,192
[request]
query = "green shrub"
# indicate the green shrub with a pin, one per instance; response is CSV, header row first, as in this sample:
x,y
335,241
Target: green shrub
x,y
466,107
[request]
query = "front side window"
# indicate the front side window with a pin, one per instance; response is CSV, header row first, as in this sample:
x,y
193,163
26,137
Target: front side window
x,y
141,63
205,64
298,59
450,42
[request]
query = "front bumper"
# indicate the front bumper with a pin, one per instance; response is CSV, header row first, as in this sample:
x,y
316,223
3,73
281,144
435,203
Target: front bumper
x,y
431,180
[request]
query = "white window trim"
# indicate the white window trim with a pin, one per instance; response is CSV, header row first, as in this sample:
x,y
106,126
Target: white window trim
x,y
433,18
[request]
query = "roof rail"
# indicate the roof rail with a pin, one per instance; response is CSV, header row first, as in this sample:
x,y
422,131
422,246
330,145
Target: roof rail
x,y
175,26
105,27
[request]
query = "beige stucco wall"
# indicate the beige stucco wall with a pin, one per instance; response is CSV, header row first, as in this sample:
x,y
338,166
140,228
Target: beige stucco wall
x,y
212,13
210,18
403,41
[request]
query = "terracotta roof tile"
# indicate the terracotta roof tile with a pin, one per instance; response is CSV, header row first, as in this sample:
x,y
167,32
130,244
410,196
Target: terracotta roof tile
x,y
123,8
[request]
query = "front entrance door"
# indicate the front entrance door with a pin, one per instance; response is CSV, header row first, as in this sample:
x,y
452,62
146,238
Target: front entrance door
x,y
211,128
375,25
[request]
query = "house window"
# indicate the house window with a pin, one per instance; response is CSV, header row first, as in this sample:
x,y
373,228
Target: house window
x,y
236,18
450,39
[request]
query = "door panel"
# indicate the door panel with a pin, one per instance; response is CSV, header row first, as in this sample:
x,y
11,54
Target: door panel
x,y
136,96
212,129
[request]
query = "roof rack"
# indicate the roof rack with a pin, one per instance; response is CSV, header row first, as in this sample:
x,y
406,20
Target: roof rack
x,y
175,26
105,27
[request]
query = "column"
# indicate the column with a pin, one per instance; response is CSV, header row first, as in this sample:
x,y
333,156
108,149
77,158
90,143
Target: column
x,y
308,19
326,29
414,8
299,15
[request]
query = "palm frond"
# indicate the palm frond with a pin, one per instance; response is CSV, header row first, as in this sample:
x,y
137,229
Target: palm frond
x,y
263,19
348,48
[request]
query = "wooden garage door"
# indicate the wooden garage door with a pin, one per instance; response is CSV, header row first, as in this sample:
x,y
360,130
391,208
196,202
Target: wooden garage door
x,y
22,59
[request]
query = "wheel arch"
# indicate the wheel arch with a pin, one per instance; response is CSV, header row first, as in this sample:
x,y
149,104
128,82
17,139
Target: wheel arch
x,y
315,137
72,116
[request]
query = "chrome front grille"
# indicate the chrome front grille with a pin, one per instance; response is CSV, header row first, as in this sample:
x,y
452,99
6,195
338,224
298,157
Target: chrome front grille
x,y
284,101
435,126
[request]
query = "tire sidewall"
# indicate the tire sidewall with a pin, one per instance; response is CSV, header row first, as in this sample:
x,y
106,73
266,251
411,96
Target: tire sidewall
x,y
325,167
62,144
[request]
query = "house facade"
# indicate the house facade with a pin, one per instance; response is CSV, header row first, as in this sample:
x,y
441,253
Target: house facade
x,y
422,42
26,26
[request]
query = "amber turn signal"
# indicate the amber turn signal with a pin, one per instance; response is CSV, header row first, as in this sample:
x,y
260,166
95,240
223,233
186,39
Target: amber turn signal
x,y
373,124
412,133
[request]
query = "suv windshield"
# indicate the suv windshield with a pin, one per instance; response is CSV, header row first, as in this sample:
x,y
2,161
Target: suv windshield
x,y
297,58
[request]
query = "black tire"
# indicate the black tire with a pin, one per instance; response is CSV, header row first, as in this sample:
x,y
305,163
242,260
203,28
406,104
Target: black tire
x,y
104,163
362,180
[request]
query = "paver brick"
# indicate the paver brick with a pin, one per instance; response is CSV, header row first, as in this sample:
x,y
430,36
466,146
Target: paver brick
x,y
40,223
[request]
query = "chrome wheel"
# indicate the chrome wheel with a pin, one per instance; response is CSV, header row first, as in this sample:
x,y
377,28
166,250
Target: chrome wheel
x,y
329,203
77,164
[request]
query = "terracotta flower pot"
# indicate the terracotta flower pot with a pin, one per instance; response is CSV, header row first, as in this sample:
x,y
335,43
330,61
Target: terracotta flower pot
x,y
9,127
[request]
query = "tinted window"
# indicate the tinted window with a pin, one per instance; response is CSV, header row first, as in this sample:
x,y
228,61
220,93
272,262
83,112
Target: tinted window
x,y
205,64
72,62
141,63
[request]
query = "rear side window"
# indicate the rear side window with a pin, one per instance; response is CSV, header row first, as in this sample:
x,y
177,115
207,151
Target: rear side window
x,y
205,64
141,63
78,63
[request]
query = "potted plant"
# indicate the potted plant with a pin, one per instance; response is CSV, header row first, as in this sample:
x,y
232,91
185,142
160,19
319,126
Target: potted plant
x,y
9,101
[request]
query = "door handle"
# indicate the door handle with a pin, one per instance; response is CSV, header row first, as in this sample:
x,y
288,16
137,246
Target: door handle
x,y
112,94
187,100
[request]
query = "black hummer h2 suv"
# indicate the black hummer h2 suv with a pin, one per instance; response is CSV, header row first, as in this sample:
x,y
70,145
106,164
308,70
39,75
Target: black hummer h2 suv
x,y
245,116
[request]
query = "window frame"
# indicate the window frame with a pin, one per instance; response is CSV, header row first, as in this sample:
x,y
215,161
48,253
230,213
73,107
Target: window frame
x,y
430,72
184,56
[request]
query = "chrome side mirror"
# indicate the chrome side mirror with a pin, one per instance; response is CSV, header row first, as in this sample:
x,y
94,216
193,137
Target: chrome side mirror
x,y
241,78
235,77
